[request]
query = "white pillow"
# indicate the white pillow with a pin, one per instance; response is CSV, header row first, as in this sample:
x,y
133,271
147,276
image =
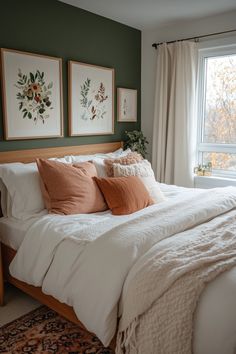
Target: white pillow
x,y
100,165
84,158
143,170
59,159
23,185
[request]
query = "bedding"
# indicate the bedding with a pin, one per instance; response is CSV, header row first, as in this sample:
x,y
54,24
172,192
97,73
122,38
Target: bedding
x,y
100,167
70,189
3,199
23,187
83,158
99,161
12,231
124,195
84,260
129,159
182,275
144,171
20,190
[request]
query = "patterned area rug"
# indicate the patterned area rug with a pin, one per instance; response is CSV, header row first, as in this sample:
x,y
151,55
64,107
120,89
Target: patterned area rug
x,y
44,331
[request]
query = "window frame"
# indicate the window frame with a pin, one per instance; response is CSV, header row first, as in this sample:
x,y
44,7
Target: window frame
x,y
202,147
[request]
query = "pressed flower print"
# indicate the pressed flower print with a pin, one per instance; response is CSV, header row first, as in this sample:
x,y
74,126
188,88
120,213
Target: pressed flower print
x,y
34,96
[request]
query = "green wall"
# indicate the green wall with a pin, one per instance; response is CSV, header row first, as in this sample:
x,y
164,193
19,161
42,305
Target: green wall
x,y
57,29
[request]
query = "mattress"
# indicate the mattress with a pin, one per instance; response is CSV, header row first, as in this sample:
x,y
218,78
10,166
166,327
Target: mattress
x,y
215,317
12,231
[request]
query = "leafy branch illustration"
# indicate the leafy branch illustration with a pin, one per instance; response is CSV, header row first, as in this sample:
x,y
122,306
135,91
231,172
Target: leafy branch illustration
x,y
125,107
84,93
100,96
93,106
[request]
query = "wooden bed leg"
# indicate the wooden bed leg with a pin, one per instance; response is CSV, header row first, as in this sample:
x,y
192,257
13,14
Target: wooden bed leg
x,y
1,279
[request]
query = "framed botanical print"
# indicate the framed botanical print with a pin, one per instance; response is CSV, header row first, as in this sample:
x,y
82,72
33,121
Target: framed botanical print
x,y
127,105
32,95
91,99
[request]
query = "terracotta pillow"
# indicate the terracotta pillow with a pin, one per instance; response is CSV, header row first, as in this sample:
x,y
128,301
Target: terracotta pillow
x,y
70,189
124,195
132,157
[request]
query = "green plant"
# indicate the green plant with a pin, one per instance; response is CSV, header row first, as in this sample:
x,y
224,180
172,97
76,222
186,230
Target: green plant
x,y
136,142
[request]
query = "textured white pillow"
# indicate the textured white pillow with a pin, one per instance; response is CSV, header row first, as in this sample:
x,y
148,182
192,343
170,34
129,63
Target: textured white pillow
x,y
143,170
23,185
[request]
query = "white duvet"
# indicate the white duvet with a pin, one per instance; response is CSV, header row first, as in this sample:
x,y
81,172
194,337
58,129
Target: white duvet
x,y
84,260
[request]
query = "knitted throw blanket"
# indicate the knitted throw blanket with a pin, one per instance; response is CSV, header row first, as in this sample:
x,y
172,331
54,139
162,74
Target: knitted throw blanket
x,y
161,294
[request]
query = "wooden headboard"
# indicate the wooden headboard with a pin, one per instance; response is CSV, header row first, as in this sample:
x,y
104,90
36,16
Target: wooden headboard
x,y
30,155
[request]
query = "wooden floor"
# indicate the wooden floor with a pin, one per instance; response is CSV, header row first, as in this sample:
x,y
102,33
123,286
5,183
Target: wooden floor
x,y
16,304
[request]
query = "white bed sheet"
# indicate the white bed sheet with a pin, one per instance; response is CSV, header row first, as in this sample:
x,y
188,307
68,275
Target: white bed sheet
x,y
12,231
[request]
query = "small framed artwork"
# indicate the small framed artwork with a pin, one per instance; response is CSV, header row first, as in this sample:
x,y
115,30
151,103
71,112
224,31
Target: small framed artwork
x,y
32,95
91,99
127,105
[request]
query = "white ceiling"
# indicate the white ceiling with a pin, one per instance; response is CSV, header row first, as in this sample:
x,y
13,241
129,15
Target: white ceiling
x,y
148,14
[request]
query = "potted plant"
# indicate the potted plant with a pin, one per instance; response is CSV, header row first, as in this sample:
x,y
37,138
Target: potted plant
x,y
203,169
136,141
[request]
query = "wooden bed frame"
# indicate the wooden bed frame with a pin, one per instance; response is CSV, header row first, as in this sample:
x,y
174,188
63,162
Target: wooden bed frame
x,y
8,253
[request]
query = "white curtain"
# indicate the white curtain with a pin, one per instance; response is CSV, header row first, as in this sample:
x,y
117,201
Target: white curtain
x,y
174,126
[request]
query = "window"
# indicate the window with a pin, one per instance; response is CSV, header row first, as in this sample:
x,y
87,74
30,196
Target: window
x,y
217,110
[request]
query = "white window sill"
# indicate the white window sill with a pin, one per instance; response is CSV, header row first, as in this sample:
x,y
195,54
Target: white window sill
x,y
213,182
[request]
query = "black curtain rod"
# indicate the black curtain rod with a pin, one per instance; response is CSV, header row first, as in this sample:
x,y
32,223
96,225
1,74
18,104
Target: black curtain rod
x,y
155,45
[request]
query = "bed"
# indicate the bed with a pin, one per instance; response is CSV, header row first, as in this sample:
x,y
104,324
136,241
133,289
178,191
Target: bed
x,y
9,252
215,326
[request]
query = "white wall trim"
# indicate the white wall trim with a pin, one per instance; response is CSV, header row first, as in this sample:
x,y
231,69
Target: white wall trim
x,y
207,182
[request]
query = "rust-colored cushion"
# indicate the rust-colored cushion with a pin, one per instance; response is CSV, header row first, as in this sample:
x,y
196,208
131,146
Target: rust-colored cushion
x,y
70,189
124,195
132,157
